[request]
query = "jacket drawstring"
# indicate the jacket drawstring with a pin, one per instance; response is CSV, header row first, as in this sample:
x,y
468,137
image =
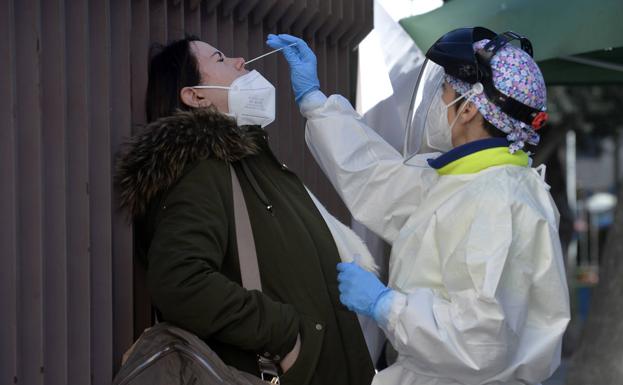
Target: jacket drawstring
x,y
256,187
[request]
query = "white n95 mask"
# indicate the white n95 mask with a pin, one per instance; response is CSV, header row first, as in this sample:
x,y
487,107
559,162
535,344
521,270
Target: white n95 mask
x,y
437,128
251,99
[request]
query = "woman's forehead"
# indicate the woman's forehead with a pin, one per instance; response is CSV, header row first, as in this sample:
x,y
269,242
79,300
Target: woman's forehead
x,y
202,49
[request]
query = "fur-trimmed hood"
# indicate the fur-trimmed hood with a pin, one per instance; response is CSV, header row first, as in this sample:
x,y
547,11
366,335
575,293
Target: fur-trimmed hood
x,y
154,159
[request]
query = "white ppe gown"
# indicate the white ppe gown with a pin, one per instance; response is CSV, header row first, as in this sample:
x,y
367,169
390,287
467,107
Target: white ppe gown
x,y
480,294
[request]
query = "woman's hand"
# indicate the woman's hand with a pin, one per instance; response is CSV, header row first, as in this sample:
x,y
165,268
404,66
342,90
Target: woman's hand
x,y
302,61
291,357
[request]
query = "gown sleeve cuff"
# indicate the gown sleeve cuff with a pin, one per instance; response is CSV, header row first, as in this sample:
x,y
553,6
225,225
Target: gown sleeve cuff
x,y
312,101
388,309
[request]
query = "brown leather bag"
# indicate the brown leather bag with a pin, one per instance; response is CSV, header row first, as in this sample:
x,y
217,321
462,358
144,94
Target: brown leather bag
x,y
167,355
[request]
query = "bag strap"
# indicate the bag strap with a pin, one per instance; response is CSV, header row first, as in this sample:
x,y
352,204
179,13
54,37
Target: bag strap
x,y
249,269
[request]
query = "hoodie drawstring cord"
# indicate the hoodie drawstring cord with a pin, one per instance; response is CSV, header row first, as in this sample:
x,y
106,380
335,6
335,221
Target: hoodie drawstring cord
x,y
256,187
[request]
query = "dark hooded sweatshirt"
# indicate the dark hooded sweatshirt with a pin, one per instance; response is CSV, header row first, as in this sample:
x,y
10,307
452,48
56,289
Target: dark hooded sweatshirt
x,y
175,181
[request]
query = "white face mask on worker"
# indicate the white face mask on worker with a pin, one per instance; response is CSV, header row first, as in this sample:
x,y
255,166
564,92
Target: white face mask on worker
x,y
251,99
438,129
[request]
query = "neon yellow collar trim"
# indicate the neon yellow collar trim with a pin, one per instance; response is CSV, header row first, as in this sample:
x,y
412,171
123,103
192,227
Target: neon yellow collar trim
x,y
480,160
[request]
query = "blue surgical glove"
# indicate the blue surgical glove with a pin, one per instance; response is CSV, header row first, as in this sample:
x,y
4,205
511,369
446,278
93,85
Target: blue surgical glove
x,y
360,290
302,61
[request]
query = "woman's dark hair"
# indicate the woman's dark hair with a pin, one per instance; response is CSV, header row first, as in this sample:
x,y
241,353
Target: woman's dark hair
x,y
492,130
172,68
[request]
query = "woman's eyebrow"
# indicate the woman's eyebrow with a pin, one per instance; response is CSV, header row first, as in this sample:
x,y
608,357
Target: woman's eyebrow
x,y
217,53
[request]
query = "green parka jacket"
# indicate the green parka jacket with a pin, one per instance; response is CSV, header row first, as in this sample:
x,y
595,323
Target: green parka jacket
x,y
174,179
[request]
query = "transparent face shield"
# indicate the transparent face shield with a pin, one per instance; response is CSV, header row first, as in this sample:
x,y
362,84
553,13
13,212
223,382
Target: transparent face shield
x,y
427,87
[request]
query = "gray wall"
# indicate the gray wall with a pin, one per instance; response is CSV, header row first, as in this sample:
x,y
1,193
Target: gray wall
x,y
72,82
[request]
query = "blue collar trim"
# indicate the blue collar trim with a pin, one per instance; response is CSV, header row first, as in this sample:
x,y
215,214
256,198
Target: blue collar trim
x,y
466,149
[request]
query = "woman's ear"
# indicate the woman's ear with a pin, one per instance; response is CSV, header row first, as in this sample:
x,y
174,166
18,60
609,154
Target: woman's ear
x,y
192,98
469,112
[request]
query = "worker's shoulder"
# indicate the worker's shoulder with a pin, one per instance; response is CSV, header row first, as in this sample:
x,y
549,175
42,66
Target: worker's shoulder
x,y
494,181
509,183
524,190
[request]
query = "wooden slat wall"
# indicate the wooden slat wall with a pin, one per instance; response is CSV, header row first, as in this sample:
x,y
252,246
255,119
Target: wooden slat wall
x,y
72,83
54,113
29,192
8,199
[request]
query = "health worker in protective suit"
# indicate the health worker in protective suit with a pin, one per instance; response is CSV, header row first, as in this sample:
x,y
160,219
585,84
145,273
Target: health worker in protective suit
x,y
477,291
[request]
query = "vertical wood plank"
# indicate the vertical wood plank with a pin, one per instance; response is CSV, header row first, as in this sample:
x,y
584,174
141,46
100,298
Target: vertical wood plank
x,y
261,10
209,23
78,221
225,33
175,20
29,190
241,41
8,198
100,197
276,13
128,71
158,25
268,68
141,301
192,18
283,131
54,109
139,55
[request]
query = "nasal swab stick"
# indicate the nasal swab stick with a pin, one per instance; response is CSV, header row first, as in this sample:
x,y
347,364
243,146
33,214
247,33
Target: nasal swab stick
x,y
268,53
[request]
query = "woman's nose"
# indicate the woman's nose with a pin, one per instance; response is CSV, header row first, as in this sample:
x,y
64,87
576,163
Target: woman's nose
x,y
239,63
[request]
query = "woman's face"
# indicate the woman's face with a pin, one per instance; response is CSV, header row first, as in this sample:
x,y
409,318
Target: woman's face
x,y
464,118
448,96
216,70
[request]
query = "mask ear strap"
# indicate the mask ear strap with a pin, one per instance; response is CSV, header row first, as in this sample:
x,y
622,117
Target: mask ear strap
x,y
476,89
213,87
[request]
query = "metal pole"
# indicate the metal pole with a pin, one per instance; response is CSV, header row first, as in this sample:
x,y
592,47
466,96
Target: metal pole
x,y
617,160
572,199
571,181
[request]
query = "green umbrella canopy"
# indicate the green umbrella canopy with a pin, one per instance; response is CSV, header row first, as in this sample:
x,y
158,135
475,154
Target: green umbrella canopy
x,y
575,41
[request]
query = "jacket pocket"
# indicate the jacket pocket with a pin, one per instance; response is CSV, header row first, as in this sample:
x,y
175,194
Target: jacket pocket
x,y
312,336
